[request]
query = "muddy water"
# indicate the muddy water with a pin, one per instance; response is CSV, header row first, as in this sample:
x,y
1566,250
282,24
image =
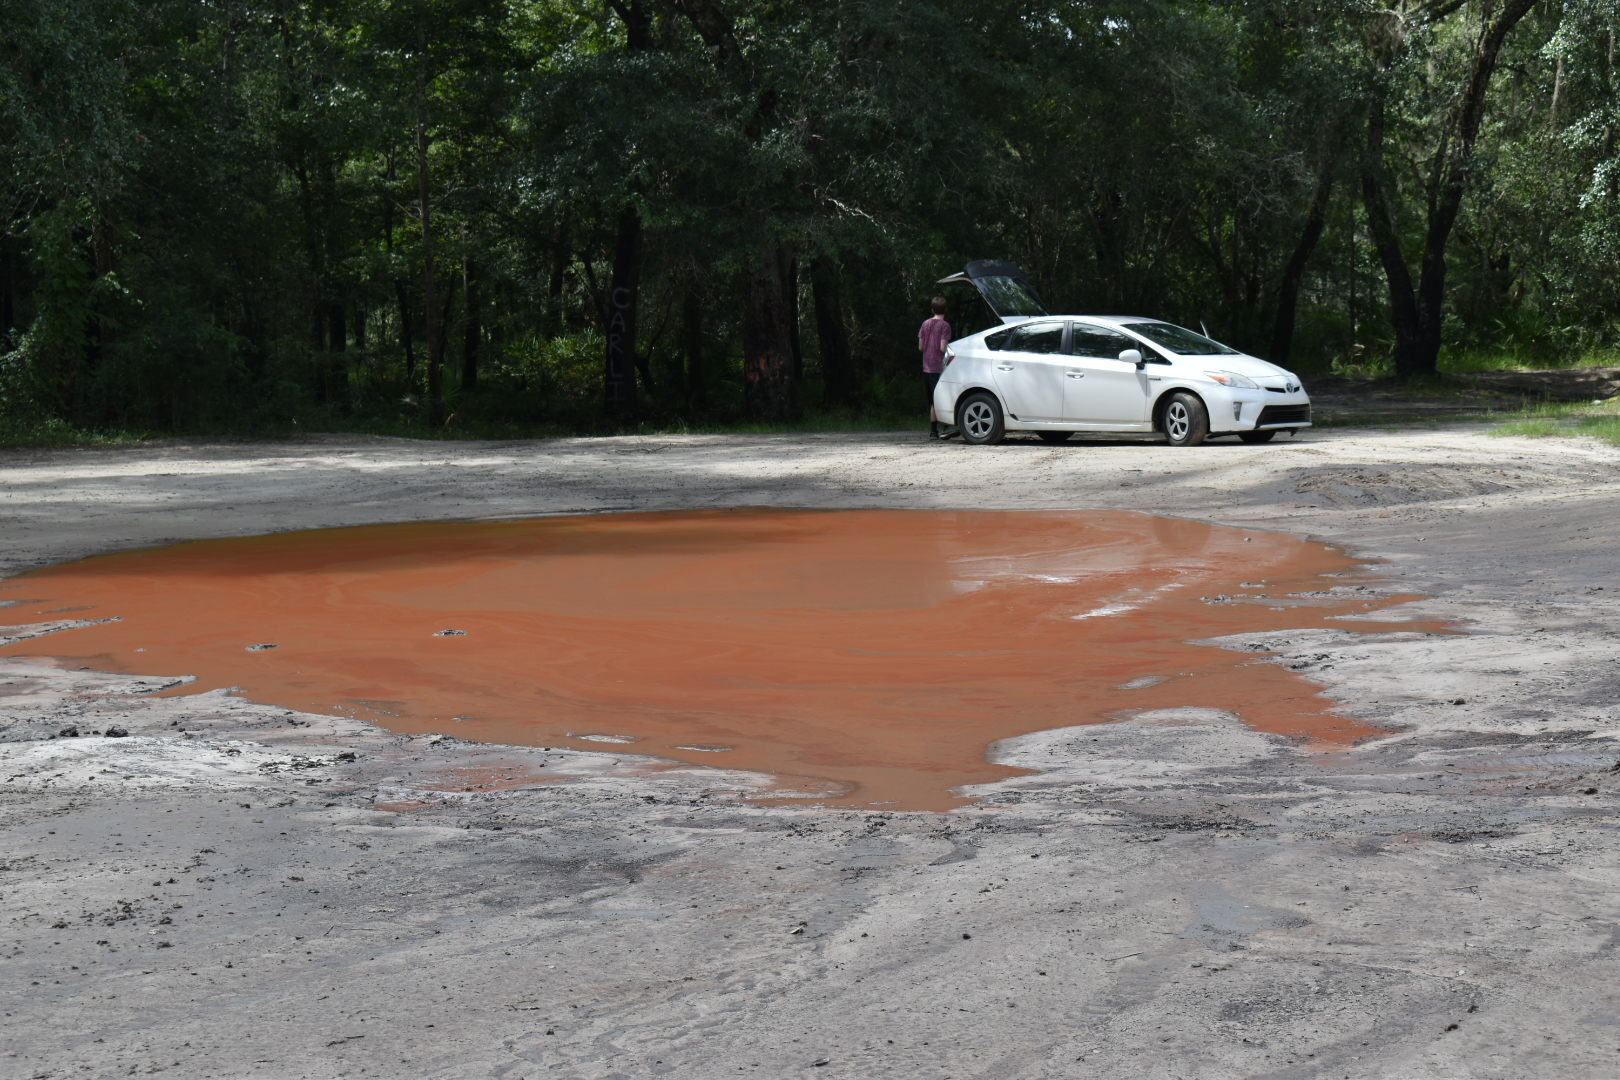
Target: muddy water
x,y
868,657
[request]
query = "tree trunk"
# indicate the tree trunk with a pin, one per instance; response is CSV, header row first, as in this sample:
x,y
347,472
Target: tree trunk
x,y
473,335
790,292
424,209
251,326
624,294
837,368
1612,189
1387,244
82,370
619,379
334,363
313,254
1293,275
692,346
644,373
1557,102
402,294
337,326
407,331
554,286
1107,229
769,392
335,368
8,288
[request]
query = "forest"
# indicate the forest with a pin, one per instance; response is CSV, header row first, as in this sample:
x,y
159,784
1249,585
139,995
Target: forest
x,y
540,216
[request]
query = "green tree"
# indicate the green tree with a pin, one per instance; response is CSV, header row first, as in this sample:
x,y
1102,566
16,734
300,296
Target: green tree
x,y
68,139
1460,44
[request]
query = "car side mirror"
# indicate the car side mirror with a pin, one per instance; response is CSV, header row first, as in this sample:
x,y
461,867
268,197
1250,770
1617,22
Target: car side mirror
x,y
1134,356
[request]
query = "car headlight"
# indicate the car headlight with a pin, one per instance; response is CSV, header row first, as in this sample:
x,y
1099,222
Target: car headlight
x,y
1232,378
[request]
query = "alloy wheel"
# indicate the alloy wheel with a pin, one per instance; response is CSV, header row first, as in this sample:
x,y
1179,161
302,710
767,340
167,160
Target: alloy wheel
x,y
978,420
1176,421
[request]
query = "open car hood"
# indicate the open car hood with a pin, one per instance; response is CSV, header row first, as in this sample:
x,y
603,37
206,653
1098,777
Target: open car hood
x,y
1003,286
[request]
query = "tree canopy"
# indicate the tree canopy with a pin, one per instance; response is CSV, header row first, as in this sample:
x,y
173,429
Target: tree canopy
x,y
242,214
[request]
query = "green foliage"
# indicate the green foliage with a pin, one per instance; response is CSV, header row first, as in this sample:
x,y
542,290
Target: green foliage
x,y
1599,420
212,215
561,374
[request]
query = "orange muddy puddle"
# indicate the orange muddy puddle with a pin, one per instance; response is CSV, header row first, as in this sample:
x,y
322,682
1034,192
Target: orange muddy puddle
x,y
863,657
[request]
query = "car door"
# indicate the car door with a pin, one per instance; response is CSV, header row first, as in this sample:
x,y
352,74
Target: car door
x,y
1099,389
1028,371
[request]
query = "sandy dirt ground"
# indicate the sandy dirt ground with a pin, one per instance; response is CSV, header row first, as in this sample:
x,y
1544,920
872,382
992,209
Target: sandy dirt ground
x,y
224,889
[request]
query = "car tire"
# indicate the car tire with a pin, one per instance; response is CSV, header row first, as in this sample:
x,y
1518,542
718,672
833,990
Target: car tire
x,y
978,418
1256,436
1053,436
1185,420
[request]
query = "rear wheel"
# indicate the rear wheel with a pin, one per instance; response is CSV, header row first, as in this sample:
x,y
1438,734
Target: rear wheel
x,y
1054,436
1186,421
1256,436
978,417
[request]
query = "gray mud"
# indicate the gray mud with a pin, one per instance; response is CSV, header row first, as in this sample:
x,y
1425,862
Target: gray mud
x,y
205,887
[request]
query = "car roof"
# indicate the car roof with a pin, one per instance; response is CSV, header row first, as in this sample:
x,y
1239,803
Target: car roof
x,y
1117,319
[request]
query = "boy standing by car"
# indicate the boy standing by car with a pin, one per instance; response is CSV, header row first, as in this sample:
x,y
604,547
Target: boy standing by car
x,y
932,337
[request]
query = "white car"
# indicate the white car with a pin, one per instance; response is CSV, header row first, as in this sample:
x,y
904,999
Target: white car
x,y
1060,374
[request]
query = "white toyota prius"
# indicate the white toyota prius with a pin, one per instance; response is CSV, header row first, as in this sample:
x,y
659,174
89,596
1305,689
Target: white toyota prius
x,y
1060,374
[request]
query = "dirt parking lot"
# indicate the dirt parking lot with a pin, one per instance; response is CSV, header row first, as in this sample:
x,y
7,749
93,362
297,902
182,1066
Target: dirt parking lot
x,y
230,889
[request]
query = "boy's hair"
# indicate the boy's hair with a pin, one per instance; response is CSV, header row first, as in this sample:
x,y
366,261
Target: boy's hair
x,y
938,304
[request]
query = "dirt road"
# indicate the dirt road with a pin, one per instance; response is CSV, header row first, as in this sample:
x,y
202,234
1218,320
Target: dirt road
x,y
230,889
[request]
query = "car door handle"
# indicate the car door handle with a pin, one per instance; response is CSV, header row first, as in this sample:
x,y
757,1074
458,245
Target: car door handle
x,y
1004,367
1075,374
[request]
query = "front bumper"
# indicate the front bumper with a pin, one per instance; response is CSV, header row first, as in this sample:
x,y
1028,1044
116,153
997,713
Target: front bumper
x,y
1259,410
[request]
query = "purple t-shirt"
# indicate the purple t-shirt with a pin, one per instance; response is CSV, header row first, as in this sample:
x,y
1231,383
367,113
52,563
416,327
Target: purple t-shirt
x,y
933,336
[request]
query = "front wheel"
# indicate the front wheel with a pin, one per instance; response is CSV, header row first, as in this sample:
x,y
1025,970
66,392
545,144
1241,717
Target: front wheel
x,y
1256,436
978,417
1186,421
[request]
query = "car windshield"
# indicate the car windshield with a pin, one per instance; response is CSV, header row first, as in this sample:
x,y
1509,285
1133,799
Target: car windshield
x,y
1179,340
1008,296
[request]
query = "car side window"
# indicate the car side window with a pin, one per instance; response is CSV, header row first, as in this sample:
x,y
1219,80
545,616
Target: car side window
x,y
1097,341
1039,338
998,340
